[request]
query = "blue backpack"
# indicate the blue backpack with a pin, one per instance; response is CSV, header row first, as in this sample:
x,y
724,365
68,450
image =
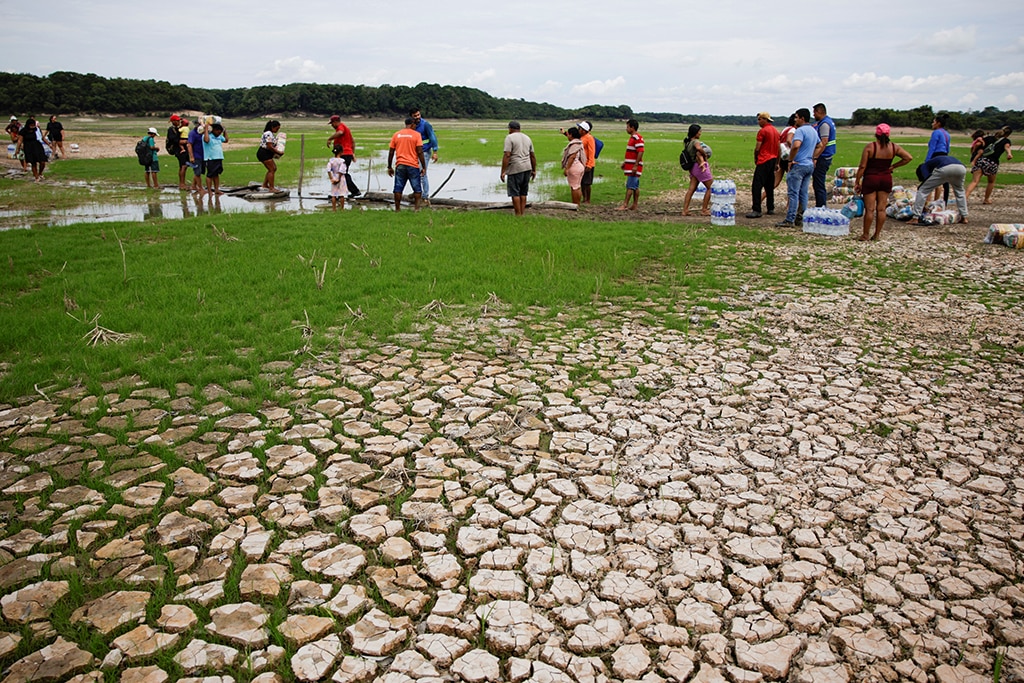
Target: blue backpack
x,y
598,146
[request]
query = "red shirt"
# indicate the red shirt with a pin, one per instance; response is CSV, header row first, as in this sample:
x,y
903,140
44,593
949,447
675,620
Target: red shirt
x,y
405,142
343,137
633,148
769,139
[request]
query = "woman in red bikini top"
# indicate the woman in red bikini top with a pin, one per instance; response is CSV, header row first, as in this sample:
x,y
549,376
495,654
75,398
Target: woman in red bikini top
x,y
874,178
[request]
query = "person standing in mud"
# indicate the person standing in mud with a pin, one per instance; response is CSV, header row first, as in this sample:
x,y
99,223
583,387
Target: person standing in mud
x,y
342,137
518,166
14,130
30,144
195,148
426,132
410,163
55,133
214,138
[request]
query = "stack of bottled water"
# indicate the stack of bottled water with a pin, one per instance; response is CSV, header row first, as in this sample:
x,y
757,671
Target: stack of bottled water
x,y
723,202
822,221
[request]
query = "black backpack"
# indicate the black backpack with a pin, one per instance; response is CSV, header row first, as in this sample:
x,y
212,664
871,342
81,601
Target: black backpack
x,y
143,152
173,143
685,162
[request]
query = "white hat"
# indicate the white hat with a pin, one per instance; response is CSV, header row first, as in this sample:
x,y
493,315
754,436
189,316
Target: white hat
x,y
14,118
583,125
152,131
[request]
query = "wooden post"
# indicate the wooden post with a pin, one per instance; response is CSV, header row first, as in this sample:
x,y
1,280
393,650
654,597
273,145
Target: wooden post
x,y
302,160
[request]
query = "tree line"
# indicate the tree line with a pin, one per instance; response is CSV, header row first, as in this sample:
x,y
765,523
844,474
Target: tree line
x,y
65,92
988,118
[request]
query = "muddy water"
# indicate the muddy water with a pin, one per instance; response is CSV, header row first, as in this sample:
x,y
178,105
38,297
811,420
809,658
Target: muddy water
x,y
471,182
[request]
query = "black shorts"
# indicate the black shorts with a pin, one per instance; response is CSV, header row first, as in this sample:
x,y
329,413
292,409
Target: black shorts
x,y
214,167
183,159
518,183
264,154
784,165
588,177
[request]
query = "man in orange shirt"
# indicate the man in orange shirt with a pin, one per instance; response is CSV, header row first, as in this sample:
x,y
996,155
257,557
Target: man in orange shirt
x,y
590,149
406,153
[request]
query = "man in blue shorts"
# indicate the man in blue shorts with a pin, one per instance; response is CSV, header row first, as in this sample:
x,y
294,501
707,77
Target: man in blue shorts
x,y
406,153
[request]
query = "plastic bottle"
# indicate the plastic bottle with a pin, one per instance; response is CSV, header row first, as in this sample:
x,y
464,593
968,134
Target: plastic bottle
x,y
728,214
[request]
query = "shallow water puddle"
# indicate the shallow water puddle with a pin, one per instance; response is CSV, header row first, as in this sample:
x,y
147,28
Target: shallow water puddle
x,y
469,182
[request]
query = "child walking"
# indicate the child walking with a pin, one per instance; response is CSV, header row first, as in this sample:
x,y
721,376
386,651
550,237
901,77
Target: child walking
x,y
336,170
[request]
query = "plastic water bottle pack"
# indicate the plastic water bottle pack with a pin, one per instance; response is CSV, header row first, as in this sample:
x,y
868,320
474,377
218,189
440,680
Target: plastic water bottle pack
x,y
832,222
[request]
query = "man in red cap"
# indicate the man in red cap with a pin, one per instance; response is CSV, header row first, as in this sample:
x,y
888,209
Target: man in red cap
x,y
342,137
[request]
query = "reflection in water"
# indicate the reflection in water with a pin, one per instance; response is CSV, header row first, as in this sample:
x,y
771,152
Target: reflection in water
x,y
471,182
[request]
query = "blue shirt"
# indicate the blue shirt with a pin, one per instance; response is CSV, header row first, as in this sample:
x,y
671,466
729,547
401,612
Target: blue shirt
x,y
809,139
426,132
830,146
213,150
195,138
938,143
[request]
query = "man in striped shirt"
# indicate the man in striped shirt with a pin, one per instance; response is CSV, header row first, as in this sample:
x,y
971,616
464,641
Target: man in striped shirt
x,y
633,166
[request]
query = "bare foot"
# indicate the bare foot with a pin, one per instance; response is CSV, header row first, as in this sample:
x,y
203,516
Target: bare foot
x,y
687,213
987,201
705,212
621,208
963,220
863,238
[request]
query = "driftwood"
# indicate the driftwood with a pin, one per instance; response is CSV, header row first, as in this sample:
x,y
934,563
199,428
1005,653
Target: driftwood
x,y
389,198
255,191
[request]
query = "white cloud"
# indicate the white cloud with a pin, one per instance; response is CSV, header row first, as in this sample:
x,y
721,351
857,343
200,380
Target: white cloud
x,y
1011,100
968,99
870,80
481,76
599,88
959,39
784,83
293,69
1014,80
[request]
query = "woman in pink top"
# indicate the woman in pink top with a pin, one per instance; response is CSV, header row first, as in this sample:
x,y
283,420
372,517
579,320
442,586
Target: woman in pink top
x,y
574,163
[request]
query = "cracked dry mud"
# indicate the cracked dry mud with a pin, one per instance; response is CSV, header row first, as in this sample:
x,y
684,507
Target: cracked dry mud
x,y
807,485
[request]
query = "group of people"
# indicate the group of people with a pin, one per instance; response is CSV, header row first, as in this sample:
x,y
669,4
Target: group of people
x,y
803,152
33,147
198,146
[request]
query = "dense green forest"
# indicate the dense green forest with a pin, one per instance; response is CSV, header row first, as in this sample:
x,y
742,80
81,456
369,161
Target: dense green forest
x,y
66,92
986,119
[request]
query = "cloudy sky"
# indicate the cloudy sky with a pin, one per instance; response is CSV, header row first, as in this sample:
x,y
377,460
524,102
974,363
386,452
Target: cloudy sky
x,y
717,57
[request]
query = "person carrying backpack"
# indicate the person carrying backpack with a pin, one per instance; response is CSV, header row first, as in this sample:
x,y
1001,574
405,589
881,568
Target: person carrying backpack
x,y
150,162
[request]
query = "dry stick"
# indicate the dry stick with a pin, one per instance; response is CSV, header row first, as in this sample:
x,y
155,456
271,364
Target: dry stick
x,y
434,193
302,160
369,169
124,262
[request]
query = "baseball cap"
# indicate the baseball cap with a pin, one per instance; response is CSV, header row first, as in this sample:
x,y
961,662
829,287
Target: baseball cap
x,y
14,118
883,129
335,117
765,115
583,125
152,130
184,122
175,117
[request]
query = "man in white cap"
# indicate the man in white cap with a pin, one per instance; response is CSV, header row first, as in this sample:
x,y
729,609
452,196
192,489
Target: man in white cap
x,y
153,167
590,149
